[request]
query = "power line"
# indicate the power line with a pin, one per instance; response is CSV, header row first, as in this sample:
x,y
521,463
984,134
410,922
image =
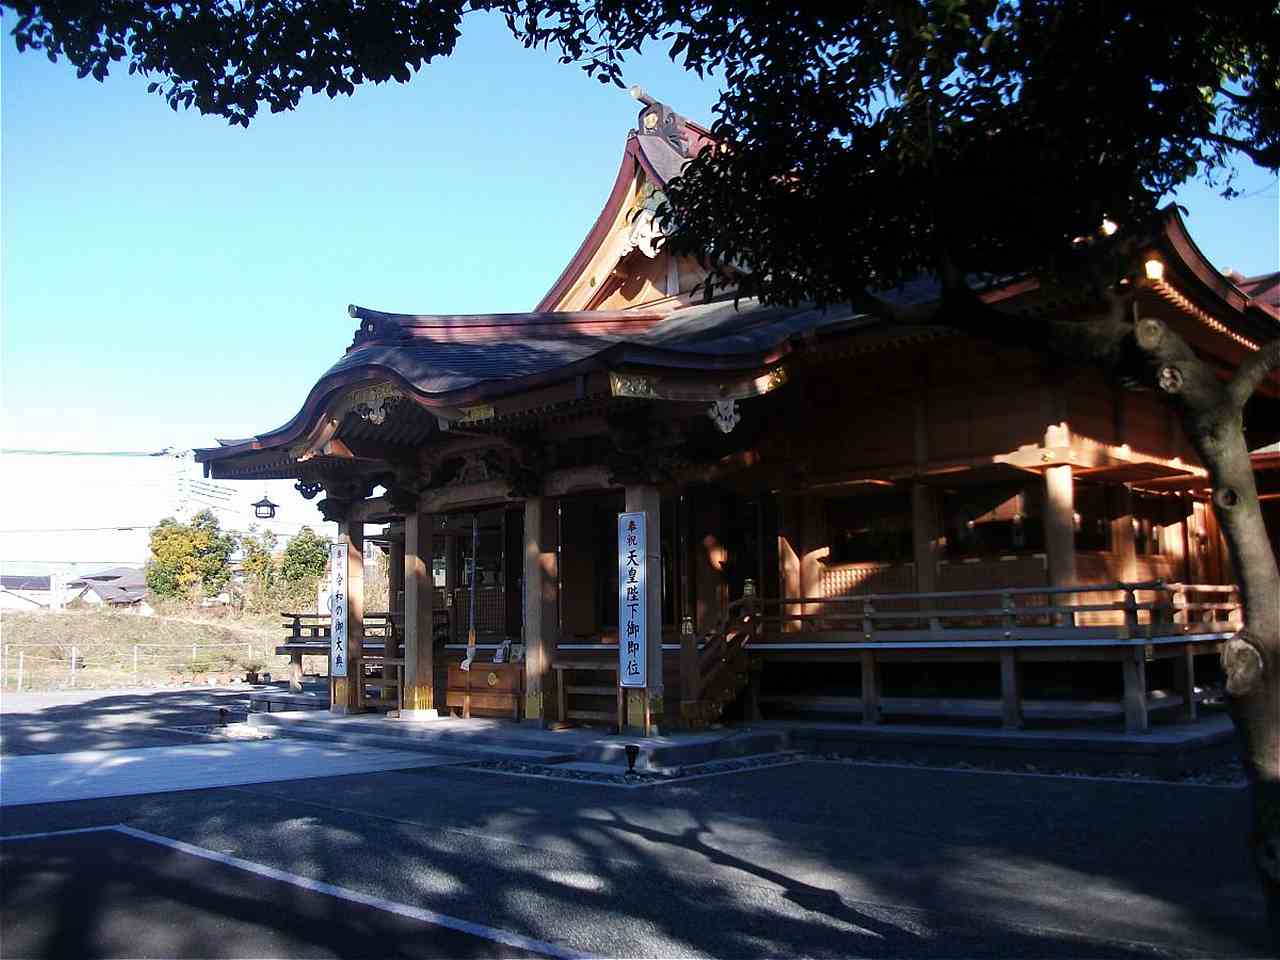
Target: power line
x,y
166,452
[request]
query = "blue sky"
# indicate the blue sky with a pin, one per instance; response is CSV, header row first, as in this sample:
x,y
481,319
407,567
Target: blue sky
x,y
169,279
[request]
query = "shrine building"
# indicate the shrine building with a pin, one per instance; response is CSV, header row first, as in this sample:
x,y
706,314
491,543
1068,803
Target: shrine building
x,y
841,516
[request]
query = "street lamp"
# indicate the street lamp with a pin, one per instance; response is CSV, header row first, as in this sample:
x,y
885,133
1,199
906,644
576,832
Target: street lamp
x,y
264,509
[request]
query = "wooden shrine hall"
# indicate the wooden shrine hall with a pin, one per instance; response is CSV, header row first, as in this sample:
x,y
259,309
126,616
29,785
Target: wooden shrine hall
x,y
842,515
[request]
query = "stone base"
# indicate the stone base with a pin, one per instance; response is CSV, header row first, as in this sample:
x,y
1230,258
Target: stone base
x,y
418,697
431,714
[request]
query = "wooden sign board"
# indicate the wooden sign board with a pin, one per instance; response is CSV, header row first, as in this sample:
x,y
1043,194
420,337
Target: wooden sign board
x,y
338,609
632,605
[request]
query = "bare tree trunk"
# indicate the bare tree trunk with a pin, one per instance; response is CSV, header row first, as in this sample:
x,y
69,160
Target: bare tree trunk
x,y
1213,417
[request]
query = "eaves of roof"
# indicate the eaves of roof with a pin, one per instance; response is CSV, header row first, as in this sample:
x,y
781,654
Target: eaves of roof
x,y
442,375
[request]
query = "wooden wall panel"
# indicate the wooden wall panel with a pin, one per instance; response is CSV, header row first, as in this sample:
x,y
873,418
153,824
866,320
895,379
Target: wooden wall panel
x,y
1004,419
948,420
577,570
1147,425
1091,408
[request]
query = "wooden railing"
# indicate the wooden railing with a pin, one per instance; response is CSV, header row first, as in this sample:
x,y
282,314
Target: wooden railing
x,y
1149,610
1152,619
380,663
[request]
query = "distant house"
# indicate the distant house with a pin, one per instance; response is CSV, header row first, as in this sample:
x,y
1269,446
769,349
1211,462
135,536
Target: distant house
x,y
22,592
118,587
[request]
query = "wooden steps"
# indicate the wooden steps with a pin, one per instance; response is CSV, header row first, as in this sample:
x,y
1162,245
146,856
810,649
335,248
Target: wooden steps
x,y
594,699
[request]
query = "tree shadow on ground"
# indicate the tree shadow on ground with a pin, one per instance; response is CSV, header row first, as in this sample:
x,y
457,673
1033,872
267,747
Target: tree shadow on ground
x,y
112,720
813,859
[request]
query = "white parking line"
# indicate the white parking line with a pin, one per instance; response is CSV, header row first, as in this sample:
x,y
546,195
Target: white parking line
x,y
56,833
354,896
421,914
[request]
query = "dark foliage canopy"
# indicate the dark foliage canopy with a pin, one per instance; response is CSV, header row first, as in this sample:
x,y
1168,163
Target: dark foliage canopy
x,y
869,145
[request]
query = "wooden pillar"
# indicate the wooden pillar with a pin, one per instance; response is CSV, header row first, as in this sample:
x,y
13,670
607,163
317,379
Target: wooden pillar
x,y
816,547
645,709
924,536
450,582
396,569
1135,691
870,687
707,519
540,556
1186,511
395,607
1184,671
1123,543
1010,691
346,694
1059,525
419,640
1197,570
789,550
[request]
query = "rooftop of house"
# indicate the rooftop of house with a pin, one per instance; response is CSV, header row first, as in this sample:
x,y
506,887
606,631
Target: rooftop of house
x,y
24,582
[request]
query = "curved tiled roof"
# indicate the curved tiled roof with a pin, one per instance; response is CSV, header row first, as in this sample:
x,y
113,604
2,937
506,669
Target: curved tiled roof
x,y
445,361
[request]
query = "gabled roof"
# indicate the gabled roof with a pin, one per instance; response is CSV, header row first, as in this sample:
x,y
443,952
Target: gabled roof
x,y
662,143
1264,289
114,594
22,582
118,576
446,362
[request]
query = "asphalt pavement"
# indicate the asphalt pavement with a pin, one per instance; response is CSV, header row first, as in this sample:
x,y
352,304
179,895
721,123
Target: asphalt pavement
x,y
105,894
70,720
813,859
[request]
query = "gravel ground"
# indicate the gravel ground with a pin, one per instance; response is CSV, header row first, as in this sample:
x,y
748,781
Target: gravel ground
x,y
1228,773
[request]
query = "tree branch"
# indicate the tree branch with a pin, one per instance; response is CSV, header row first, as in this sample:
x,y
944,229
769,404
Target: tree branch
x,y
1178,370
1256,368
1268,157
923,314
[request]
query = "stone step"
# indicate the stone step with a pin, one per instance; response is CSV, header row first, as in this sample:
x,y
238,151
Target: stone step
x,y
388,734
494,741
656,754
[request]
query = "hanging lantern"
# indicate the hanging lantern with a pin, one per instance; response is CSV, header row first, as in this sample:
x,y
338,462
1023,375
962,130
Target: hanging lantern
x,y
264,509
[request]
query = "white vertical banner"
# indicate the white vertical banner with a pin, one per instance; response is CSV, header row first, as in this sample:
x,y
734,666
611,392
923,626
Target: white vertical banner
x,y
338,609
633,657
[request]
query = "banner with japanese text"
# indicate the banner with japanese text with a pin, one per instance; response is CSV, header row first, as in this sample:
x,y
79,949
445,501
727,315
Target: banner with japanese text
x,y
631,600
338,609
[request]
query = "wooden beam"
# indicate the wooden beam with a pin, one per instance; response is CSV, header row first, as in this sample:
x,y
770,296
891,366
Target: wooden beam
x,y
559,483
466,495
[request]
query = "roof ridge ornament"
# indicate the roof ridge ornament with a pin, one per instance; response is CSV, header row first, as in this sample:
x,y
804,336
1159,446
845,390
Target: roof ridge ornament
x,y
659,120
374,325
